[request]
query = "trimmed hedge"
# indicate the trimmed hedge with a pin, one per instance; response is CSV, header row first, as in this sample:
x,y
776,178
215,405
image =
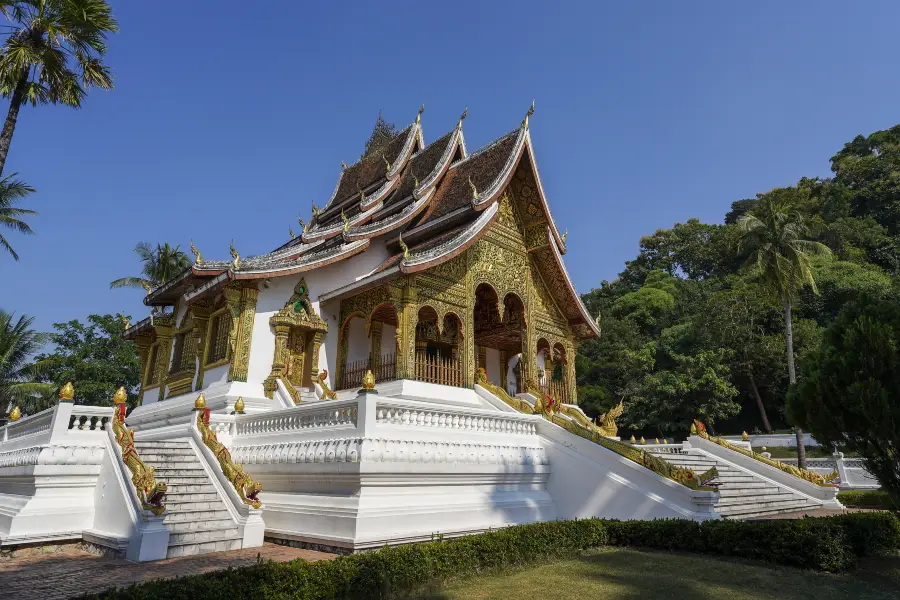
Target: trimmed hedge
x,y
825,543
867,499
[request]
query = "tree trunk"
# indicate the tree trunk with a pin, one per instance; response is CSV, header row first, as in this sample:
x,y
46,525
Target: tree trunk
x,y
792,378
759,403
12,116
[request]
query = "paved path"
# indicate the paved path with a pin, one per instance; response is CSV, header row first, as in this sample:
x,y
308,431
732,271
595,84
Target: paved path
x,y
73,572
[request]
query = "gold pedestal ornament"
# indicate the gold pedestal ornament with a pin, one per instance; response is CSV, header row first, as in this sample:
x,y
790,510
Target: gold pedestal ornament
x,y
239,405
745,436
200,402
16,414
368,383
67,392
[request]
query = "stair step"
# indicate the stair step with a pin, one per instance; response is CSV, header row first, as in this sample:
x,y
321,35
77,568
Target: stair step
x,y
187,488
164,472
193,505
205,514
190,549
730,492
200,525
749,513
196,479
192,496
203,536
153,457
745,500
162,444
758,506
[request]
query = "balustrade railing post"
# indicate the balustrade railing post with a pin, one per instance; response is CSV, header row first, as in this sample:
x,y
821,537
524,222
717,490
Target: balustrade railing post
x,y
62,414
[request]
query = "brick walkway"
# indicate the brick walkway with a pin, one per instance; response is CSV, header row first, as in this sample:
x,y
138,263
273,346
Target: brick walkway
x,y
72,572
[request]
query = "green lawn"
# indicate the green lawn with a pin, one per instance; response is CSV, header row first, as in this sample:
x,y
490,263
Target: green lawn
x,y
622,574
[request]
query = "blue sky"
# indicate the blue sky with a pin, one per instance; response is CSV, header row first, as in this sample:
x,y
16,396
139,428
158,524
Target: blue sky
x,y
228,122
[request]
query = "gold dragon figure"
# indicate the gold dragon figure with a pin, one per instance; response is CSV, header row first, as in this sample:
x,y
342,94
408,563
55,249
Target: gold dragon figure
x,y
322,380
150,492
246,488
607,425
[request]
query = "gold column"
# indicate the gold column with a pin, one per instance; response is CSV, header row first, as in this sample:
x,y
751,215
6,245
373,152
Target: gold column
x,y
407,317
143,343
165,332
242,304
570,373
314,357
200,311
375,346
282,332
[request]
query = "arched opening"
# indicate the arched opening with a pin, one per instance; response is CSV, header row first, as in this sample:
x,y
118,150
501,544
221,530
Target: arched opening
x,y
552,370
437,348
498,336
369,344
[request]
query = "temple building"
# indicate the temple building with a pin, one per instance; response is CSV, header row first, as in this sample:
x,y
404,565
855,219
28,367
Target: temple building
x,y
403,368
427,263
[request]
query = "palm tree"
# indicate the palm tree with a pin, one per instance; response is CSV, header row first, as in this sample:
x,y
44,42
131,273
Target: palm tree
x,y
160,265
11,191
17,343
775,234
53,52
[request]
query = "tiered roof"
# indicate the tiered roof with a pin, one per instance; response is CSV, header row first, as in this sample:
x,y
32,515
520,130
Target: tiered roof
x,y
438,198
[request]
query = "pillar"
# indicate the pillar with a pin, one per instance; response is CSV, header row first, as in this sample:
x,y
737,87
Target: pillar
x,y
279,358
143,343
165,333
314,356
406,301
375,346
241,302
200,312
503,362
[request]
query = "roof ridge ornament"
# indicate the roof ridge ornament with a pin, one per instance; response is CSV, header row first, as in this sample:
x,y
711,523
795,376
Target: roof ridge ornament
x,y
291,231
147,287
564,236
528,114
302,224
419,116
387,163
462,117
343,166
362,194
234,255
198,258
345,220
404,247
474,189
315,210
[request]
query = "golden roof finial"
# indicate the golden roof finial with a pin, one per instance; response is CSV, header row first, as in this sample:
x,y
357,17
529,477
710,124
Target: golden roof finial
x,y
234,255
419,116
200,402
564,236
474,189
528,114
291,232
643,441
198,258
126,324
745,436
302,224
67,392
368,382
415,182
463,116
147,287
239,405
121,396
345,220
16,414
343,166
632,440
315,210
362,194
404,247
387,163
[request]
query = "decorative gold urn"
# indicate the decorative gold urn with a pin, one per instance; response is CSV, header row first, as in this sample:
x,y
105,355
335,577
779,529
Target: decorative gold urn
x,y
239,405
16,414
368,383
200,402
67,392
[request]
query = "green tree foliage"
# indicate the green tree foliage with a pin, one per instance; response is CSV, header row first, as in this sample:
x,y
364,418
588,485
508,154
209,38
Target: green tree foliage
x,y
850,395
18,343
11,191
715,294
94,357
53,51
159,266
382,133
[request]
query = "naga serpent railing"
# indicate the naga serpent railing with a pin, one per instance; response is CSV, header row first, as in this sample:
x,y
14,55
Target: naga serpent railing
x,y
150,492
246,488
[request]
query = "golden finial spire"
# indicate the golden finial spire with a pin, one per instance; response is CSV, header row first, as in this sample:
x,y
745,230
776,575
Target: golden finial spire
x,y
343,166
474,189
362,194
404,247
415,182
463,116
126,324
291,232
345,220
368,383
239,405
16,414
302,224
198,258
528,114
387,163
643,441
315,210
745,436
67,392
200,402
234,255
121,396
632,440
147,287
419,116
564,236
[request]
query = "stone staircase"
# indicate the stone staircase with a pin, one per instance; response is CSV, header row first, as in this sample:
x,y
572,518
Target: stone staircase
x,y
197,519
742,494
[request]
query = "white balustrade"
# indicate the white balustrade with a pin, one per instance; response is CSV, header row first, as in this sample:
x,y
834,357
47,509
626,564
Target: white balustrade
x,y
389,413
327,415
30,425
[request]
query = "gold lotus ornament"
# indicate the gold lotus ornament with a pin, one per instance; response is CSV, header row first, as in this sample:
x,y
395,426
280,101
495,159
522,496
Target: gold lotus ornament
x,y
368,383
239,405
67,392
16,414
200,402
745,436
632,440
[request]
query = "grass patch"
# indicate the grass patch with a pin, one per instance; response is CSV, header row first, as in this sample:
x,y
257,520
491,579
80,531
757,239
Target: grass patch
x,y
627,573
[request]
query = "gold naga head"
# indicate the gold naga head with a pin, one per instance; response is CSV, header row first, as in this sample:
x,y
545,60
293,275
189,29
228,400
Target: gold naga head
x,y
404,247
419,116
200,402
16,414
387,163
474,189
302,224
67,392
121,396
198,258
234,255
345,220
528,114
